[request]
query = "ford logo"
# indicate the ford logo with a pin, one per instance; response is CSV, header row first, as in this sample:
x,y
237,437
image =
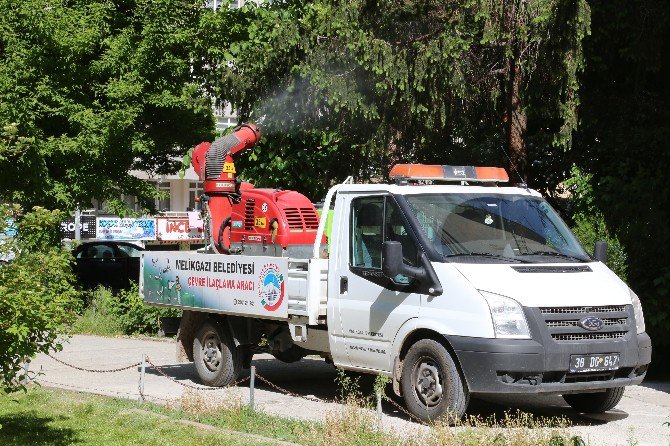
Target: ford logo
x,y
591,323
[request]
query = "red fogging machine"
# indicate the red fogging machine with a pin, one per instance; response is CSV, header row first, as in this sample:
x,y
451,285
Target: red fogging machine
x,y
242,219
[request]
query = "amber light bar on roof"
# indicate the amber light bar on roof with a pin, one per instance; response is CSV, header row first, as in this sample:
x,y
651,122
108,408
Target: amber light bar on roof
x,y
449,173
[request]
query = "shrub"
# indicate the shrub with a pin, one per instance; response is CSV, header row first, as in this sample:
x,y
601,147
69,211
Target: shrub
x,y
135,317
121,313
39,298
98,317
589,223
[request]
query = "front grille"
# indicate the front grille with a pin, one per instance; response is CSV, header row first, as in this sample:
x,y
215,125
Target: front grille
x,y
583,310
552,269
588,377
588,336
574,323
563,323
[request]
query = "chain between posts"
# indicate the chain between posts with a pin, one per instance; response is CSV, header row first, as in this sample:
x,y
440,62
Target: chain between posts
x,y
289,393
162,373
317,400
406,412
120,369
260,377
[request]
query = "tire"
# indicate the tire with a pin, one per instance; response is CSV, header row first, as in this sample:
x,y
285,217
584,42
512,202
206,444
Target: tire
x,y
431,385
595,402
293,354
217,361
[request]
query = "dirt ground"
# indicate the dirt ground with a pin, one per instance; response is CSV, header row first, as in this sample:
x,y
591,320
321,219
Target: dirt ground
x,y
637,420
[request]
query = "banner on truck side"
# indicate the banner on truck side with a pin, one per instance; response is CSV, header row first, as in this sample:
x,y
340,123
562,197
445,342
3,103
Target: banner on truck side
x,y
177,229
126,228
235,284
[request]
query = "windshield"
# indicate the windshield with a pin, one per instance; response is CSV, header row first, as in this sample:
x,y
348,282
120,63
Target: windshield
x,y
495,227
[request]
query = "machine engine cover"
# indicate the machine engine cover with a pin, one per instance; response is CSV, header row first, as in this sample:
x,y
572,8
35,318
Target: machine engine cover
x,y
253,217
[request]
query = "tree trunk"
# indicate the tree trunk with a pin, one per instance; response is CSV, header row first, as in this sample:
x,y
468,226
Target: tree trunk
x,y
516,124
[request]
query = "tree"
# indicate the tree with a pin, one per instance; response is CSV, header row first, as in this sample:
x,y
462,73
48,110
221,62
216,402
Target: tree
x,y
91,90
353,87
624,143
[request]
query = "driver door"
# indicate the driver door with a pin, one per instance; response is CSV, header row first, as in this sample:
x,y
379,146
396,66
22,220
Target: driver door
x,y
373,307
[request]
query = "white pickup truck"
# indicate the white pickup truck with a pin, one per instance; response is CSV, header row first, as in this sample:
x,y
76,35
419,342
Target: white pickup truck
x,y
452,289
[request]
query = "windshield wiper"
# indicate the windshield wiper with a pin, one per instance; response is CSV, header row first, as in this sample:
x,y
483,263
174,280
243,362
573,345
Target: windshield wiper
x,y
487,254
555,254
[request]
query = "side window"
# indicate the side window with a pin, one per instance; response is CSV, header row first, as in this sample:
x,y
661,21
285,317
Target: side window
x,y
97,252
129,251
396,231
375,220
366,232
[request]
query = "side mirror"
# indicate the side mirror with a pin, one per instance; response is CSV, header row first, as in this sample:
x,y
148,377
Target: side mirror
x,y
600,251
392,265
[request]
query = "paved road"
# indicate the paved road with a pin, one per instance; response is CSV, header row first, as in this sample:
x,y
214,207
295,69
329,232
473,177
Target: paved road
x,y
638,419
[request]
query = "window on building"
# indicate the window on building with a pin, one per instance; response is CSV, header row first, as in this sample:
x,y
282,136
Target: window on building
x,y
163,204
130,201
194,190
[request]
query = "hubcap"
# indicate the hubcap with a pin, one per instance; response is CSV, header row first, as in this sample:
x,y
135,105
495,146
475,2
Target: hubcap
x,y
428,384
211,352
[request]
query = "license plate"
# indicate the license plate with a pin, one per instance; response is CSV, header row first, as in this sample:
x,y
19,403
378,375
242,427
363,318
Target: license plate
x,y
594,363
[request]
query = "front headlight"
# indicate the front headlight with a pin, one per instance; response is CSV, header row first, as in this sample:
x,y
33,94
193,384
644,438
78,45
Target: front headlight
x,y
508,318
637,311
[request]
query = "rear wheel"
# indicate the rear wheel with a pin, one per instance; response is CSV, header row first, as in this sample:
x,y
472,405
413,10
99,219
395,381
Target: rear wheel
x,y
431,385
594,402
216,359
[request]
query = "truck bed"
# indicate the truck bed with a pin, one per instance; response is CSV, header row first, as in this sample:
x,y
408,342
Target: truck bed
x,y
258,286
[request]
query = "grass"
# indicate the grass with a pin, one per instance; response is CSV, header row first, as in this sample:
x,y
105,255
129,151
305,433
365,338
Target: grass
x,y
96,322
58,417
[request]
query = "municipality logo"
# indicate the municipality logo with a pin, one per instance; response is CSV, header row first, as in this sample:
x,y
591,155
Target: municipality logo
x,y
271,287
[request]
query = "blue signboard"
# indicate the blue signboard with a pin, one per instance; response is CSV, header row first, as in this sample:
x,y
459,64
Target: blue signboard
x,y
9,229
125,229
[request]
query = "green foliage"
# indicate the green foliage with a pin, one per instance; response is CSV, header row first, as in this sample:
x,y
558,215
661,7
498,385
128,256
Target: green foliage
x,y
349,88
349,387
90,90
624,142
99,316
589,222
39,230
39,298
121,313
135,317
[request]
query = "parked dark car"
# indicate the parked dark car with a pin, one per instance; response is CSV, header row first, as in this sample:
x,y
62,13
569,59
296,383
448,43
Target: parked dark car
x,y
111,264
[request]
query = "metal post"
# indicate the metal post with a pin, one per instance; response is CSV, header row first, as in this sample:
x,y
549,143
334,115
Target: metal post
x,y
26,369
252,383
379,409
77,224
141,386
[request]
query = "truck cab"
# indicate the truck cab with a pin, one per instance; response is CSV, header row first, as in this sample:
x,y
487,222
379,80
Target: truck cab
x,y
456,290
443,280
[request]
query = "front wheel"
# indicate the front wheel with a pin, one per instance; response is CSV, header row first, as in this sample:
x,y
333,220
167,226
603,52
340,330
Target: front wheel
x,y
216,359
431,385
594,402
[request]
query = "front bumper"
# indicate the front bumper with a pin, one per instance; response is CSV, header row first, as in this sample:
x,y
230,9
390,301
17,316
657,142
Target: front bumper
x,y
541,365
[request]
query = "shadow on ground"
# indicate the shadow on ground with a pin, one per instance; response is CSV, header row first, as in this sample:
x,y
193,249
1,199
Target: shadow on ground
x,y
26,428
661,386
314,378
